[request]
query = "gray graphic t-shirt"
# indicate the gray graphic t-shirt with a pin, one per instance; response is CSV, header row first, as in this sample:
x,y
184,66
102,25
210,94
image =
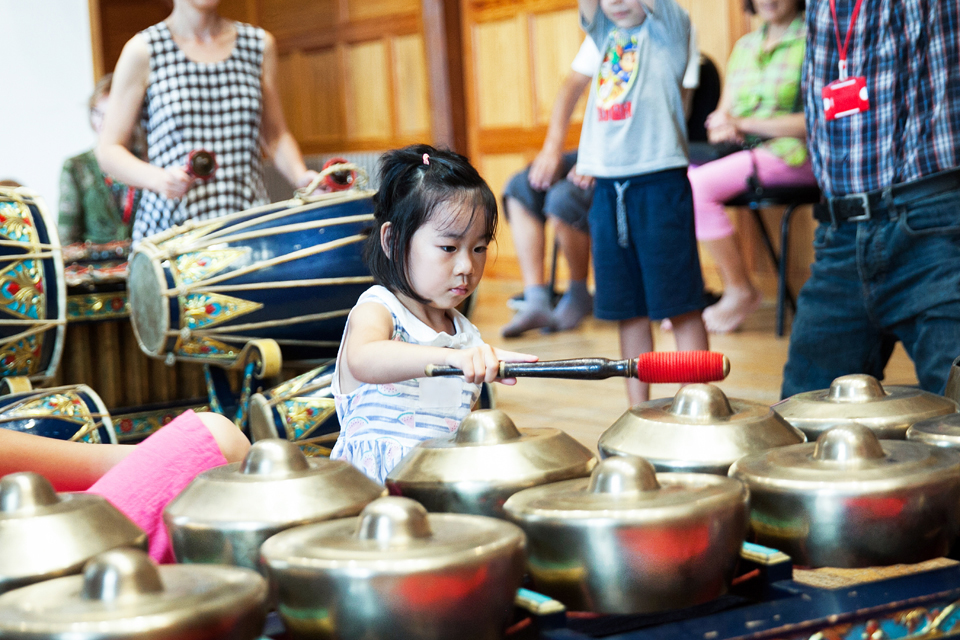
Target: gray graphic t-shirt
x,y
634,123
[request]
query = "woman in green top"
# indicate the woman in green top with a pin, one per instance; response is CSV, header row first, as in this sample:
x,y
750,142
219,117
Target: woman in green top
x,y
92,206
759,124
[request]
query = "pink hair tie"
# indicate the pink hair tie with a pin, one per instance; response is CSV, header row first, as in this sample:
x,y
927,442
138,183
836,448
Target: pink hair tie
x,y
426,158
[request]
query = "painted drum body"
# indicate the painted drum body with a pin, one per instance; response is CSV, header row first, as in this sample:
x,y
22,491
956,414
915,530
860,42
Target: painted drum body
x,y
225,514
33,294
398,573
46,535
122,595
289,271
861,399
698,431
72,413
850,500
300,410
629,540
485,462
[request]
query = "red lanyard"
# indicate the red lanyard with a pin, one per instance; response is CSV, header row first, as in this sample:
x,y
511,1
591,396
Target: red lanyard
x,y
842,48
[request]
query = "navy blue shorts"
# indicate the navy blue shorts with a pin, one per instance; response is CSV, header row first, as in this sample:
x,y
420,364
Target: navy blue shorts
x,y
649,265
564,200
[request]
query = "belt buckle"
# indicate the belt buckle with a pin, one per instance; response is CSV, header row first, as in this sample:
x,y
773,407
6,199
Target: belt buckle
x,y
865,201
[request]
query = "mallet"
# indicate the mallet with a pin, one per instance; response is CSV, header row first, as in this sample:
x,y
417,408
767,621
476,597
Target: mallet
x,y
658,367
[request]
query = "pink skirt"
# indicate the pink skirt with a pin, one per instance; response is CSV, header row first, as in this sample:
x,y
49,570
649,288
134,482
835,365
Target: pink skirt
x,y
155,472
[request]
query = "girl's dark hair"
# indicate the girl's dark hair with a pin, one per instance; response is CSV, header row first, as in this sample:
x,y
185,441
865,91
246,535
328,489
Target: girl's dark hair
x,y
410,192
749,8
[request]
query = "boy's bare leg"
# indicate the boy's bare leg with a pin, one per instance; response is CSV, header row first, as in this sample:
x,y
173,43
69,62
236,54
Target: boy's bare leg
x,y
636,337
690,332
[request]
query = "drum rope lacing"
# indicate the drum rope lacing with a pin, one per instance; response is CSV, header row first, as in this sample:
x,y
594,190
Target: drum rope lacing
x,y
263,264
220,226
304,193
322,383
219,331
219,239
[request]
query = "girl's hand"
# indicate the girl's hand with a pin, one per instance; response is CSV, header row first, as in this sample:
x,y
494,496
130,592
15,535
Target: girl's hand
x,y
482,364
174,183
479,364
513,356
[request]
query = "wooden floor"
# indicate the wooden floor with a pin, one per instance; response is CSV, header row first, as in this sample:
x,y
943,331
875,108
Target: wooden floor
x,y
584,409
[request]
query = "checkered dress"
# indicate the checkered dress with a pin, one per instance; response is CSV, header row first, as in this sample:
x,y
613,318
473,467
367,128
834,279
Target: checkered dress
x,y
216,107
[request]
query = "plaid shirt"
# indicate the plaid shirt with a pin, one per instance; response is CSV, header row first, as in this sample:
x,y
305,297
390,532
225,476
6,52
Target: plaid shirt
x,y
766,84
909,52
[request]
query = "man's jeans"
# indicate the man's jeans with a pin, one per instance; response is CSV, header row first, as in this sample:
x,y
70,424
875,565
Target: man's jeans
x,y
894,277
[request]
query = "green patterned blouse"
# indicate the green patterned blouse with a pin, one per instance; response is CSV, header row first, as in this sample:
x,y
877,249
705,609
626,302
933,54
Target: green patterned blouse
x,y
765,84
91,207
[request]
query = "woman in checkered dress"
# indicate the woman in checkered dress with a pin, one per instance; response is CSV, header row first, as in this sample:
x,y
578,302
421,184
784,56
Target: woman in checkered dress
x,y
198,81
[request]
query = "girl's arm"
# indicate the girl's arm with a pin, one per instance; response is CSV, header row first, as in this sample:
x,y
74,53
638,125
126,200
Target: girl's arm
x,y
119,122
786,126
371,357
69,466
278,143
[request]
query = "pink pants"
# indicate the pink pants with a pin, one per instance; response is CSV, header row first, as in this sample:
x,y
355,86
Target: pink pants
x,y
716,182
157,470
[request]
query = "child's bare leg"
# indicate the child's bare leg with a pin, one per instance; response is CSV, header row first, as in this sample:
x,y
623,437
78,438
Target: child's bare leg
x,y
636,338
690,332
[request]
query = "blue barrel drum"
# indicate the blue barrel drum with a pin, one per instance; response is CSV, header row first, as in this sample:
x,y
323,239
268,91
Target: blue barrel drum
x,y
73,413
33,299
300,410
290,271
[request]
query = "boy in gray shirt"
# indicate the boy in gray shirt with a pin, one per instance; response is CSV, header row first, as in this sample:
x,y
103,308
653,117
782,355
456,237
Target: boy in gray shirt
x,y
634,142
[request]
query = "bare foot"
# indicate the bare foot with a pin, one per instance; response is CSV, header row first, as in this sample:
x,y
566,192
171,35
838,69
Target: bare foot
x,y
734,307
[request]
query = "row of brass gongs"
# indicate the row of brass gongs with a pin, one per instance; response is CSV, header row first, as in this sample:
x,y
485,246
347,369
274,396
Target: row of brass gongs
x,y
626,535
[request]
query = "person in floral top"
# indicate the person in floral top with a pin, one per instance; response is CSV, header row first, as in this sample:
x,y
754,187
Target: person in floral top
x,y
756,132
93,207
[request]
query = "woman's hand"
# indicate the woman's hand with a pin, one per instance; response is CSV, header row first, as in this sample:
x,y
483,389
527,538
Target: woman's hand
x,y
721,127
309,176
173,183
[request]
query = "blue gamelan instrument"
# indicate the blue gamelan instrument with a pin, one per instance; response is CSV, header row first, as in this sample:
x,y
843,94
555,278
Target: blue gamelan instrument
x,y
290,272
301,410
32,291
74,413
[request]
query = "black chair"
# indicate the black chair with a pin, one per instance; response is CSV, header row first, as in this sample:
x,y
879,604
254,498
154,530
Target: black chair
x,y
756,199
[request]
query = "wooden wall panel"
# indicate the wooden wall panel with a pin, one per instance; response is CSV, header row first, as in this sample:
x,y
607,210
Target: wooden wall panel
x,y
503,74
324,111
411,103
364,9
555,40
285,17
369,111
289,73
496,170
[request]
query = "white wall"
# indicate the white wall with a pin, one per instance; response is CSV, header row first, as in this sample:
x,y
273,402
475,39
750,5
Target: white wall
x,y
47,68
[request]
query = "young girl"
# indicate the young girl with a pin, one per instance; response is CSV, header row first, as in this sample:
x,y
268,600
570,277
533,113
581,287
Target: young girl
x,y
435,217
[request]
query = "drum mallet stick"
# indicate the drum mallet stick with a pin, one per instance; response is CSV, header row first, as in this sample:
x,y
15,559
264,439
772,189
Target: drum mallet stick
x,y
658,367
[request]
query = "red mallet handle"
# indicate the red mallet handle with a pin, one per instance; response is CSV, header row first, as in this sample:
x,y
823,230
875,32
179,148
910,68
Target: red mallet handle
x,y
682,366
671,366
